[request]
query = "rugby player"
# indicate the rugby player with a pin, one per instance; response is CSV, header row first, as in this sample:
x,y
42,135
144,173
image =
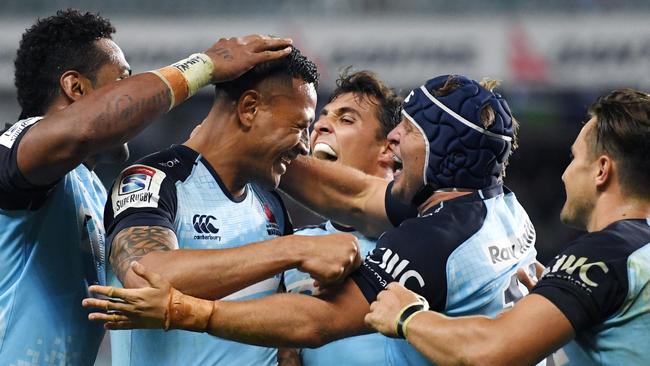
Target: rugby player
x,y
74,115
351,130
592,300
188,212
461,254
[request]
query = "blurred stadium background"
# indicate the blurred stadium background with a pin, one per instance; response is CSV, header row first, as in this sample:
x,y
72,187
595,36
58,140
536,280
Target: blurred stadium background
x,y
554,57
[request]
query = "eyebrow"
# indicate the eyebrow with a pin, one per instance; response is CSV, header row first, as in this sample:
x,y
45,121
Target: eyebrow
x,y
340,111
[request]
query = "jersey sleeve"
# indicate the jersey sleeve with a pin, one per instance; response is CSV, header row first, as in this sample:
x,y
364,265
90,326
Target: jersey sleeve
x,y
142,195
16,193
396,210
588,281
408,255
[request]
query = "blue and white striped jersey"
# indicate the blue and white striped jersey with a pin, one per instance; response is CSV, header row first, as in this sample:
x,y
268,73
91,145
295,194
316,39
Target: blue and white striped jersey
x,y
178,189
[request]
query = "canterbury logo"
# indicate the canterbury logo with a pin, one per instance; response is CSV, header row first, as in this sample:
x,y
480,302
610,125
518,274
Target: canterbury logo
x,y
203,225
397,268
570,265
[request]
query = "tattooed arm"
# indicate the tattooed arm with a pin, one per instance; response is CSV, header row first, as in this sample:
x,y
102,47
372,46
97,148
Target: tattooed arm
x,y
110,116
215,273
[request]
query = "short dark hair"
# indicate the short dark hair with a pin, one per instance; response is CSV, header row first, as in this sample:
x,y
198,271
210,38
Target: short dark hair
x,y
52,46
623,131
295,65
365,83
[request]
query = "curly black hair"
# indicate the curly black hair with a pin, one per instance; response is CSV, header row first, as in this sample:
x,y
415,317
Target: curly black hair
x,y
52,46
295,65
366,84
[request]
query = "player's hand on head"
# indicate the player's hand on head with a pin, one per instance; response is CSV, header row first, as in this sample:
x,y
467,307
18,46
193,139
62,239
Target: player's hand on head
x,y
144,307
232,57
385,311
329,259
525,277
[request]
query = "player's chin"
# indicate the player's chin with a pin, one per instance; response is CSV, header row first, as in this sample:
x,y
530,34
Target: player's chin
x,y
571,217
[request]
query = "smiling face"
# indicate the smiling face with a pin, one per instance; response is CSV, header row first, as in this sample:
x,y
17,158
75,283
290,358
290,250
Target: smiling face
x,y
409,147
279,132
579,182
348,132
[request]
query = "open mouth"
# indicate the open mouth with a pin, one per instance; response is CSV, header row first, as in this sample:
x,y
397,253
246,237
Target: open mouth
x,y
398,163
325,152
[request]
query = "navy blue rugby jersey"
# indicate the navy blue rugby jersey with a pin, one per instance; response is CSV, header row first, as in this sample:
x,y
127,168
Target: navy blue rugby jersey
x,y
461,255
601,283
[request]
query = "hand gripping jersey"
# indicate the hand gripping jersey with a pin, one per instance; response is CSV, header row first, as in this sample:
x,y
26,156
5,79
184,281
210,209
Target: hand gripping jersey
x,y
461,255
601,283
179,190
51,249
365,349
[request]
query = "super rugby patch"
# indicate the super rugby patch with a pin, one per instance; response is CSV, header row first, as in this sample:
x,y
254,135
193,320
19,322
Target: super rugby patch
x,y
138,186
9,137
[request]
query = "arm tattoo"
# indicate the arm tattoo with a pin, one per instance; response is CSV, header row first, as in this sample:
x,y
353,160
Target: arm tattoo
x,y
135,242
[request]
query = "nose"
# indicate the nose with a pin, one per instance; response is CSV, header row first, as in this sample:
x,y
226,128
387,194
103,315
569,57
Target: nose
x,y
302,148
322,125
394,135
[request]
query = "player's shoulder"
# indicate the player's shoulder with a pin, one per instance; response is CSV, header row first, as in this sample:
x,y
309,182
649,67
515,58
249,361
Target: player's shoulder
x,y
151,180
449,223
617,241
12,134
175,163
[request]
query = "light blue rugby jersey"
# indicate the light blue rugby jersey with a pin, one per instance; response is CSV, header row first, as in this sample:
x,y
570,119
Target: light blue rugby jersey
x,y
461,255
51,248
176,188
365,349
601,283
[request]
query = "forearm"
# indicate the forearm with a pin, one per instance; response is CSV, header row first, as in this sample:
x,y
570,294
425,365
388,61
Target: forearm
x,y
338,192
215,273
115,113
447,341
97,122
282,320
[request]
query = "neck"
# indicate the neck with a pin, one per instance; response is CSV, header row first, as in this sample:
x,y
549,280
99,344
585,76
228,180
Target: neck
x,y
57,104
612,208
440,196
220,143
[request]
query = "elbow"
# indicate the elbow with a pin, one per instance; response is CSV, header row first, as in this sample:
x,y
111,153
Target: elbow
x,y
313,336
82,142
483,354
314,332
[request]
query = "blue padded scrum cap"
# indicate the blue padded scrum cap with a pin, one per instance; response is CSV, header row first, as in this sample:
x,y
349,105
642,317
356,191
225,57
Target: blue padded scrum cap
x,y
461,153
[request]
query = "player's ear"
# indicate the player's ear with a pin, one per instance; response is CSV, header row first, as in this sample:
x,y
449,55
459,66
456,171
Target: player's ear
x,y
74,85
605,171
247,107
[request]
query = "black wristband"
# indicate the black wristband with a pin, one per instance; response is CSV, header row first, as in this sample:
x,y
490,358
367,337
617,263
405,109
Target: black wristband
x,y
408,311
405,314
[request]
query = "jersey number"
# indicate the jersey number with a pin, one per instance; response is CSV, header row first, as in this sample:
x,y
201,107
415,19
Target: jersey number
x,y
512,293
